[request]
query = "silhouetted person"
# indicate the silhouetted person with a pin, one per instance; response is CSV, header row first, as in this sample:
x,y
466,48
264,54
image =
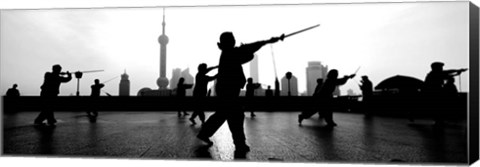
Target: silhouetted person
x,y
434,88
316,93
366,87
367,93
450,88
435,79
269,92
181,92
13,92
51,88
96,89
230,80
451,95
250,92
326,95
200,89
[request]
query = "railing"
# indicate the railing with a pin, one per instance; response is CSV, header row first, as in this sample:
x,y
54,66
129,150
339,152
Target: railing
x,y
411,106
137,103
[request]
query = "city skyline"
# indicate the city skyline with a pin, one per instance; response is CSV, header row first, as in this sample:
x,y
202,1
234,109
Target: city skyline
x,y
383,41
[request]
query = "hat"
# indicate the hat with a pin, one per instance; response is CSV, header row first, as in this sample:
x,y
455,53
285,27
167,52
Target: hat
x,y
436,64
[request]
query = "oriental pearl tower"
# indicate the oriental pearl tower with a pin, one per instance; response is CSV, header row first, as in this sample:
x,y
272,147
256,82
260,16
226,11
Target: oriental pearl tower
x,y
162,81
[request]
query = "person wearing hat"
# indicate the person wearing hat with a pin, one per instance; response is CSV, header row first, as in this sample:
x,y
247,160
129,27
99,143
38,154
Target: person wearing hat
x,y
51,88
230,80
435,79
434,88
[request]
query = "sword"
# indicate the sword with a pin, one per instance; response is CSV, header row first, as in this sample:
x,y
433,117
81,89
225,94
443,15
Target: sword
x,y
110,79
357,69
300,31
90,71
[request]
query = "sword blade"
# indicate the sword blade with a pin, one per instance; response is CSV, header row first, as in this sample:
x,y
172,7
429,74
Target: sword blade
x,y
300,31
111,79
357,69
91,71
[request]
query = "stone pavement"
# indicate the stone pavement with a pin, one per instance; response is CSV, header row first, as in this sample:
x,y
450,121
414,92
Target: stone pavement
x,y
272,136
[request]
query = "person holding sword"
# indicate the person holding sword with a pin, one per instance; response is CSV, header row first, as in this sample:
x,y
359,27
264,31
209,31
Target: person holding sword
x,y
230,80
96,90
326,95
50,89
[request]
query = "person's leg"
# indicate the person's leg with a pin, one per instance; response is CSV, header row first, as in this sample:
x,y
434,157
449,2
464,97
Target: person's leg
x,y
42,115
217,119
211,126
50,118
192,118
235,123
320,115
305,115
40,118
329,118
201,114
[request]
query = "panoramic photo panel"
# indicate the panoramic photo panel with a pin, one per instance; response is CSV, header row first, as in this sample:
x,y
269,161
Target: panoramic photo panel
x,y
350,83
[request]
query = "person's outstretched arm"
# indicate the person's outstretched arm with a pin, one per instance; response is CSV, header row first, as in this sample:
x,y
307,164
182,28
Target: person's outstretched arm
x,y
344,80
211,78
211,68
455,72
247,50
66,79
255,46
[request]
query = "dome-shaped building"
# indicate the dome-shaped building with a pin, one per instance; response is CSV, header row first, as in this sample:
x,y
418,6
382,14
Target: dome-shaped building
x,y
143,91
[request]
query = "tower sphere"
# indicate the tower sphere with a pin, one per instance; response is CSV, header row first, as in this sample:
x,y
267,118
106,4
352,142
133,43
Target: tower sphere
x,y
162,82
163,39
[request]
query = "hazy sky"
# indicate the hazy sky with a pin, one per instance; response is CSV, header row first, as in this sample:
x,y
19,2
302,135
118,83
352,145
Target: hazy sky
x,y
384,39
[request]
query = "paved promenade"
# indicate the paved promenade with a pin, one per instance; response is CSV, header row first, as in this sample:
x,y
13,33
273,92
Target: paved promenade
x,y
272,136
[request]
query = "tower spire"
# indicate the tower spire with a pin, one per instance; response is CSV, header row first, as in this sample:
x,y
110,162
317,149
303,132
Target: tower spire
x,y
163,22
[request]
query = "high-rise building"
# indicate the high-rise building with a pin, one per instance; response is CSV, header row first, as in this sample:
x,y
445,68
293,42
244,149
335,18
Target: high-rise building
x,y
293,86
315,70
176,74
254,69
124,88
188,80
162,81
